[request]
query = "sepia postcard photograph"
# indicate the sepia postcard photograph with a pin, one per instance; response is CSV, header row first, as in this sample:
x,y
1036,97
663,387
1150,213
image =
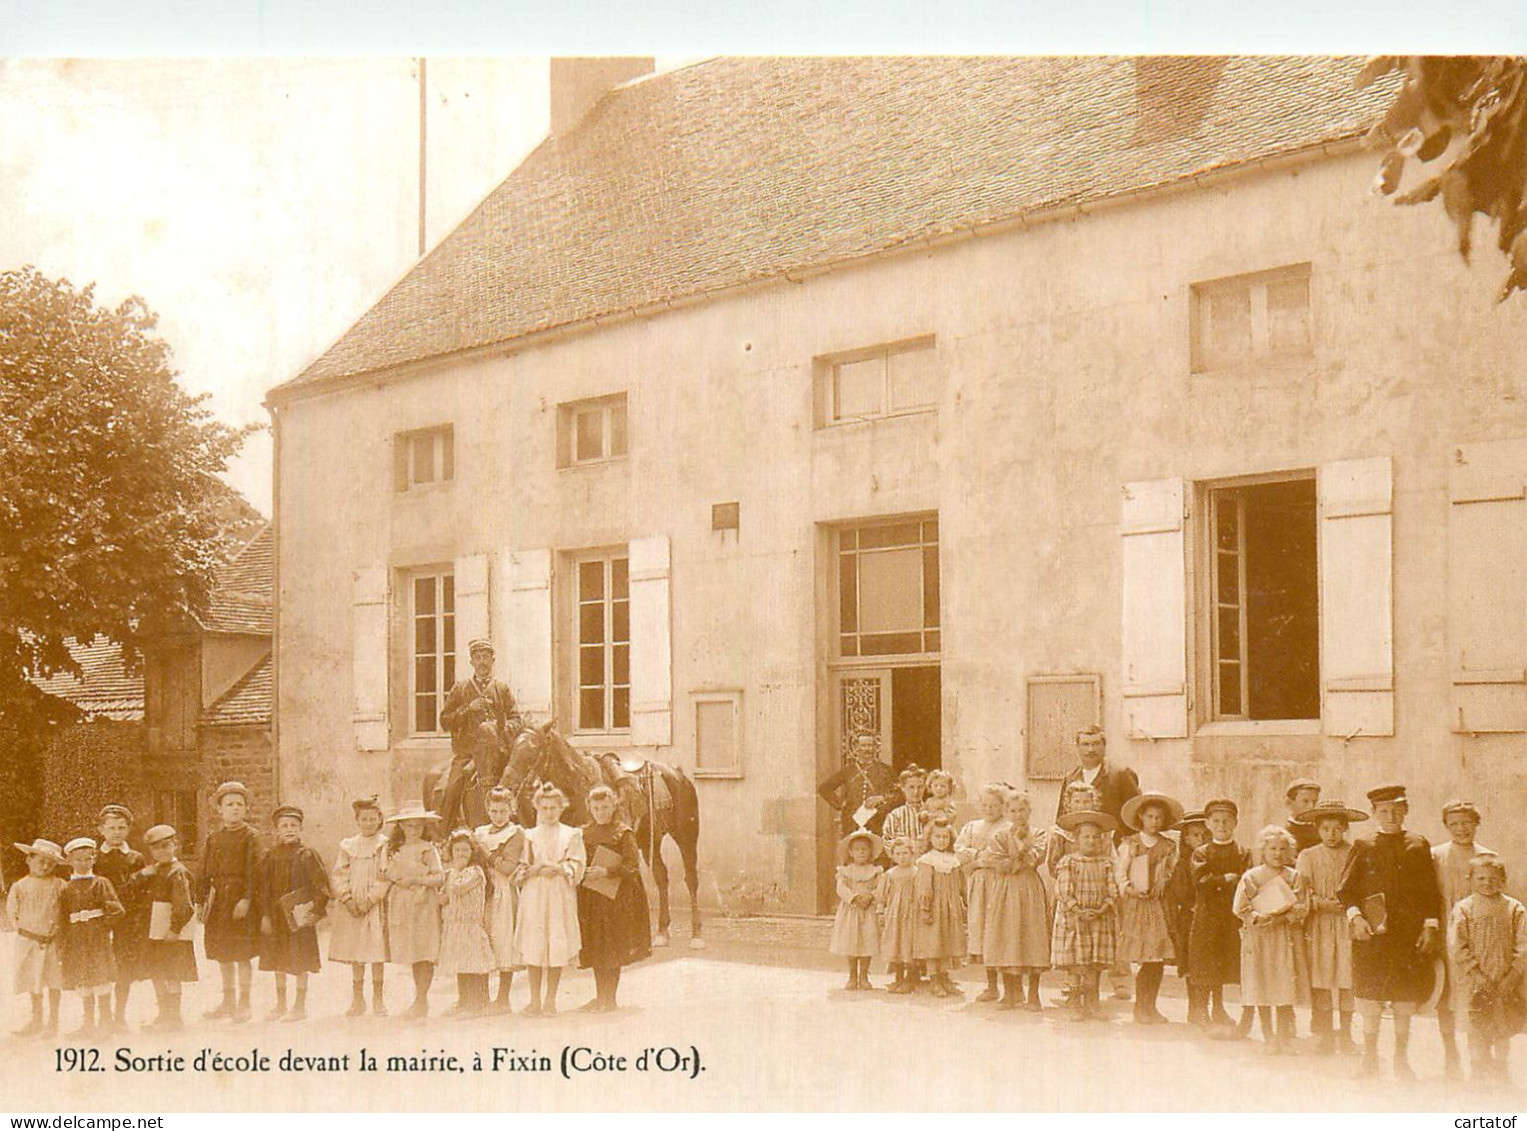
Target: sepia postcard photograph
x,y
541,580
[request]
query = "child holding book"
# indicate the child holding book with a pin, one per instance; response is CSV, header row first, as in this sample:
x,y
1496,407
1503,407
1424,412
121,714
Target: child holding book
x,y
546,932
32,905
87,909
1214,946
358,931
896,904
166,954
974,838
413,908
1085,935
1016,935
225,890
1487,934
502,841
1269,901
119,863
614,921
855,931
1145,861
941,939
1327,938
293,897
464,947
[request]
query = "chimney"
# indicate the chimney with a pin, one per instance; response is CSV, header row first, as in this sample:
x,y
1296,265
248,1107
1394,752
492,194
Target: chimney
x,y
576,84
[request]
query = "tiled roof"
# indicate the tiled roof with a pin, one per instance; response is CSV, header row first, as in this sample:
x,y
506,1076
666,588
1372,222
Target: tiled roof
x,y
241,598
741,170
247,702
104,689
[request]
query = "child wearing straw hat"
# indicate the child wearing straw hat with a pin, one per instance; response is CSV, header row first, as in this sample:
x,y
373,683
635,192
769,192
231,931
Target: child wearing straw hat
x,y
32,904
358,930
855,931
87,909
166,953
1085,936
225,892
1144,863
1327,939
413,906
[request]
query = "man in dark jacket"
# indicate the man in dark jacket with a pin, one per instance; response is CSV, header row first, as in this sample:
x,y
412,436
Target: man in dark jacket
x,y
1394,905
470,703
864,783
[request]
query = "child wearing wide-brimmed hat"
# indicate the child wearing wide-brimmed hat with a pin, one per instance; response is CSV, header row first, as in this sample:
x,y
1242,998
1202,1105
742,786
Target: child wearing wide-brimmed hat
x,y
87,909
1144,863
1327,938
294,896
413,902
855,930
358,928
1214,946
1085,935
120,863
225,898
166,953
32,904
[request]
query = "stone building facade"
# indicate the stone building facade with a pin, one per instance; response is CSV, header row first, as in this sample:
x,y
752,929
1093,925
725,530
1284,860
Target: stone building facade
x,y
961,402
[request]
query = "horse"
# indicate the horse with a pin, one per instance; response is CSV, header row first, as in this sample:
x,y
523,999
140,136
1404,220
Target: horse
x,y
489,749
658,801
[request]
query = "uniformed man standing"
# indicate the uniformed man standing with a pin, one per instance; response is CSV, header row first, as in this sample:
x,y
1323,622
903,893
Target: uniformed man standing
x,y
471,702
864,782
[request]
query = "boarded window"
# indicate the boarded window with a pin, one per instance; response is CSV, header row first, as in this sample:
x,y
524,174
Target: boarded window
x,y
718,734
884,381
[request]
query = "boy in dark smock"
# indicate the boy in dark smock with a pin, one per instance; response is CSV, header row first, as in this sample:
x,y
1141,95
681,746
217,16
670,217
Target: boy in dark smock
x,y
87,908
291,873
1391,959
225,894
120,863
1214,940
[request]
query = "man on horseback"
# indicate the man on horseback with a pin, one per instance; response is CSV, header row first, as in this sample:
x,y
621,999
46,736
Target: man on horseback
x,y
471,703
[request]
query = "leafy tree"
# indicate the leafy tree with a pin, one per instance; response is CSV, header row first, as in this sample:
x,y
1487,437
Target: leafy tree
x,y
111,511
1470,114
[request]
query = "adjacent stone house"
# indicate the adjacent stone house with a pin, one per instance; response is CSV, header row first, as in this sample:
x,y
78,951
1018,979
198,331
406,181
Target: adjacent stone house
x,y
957,401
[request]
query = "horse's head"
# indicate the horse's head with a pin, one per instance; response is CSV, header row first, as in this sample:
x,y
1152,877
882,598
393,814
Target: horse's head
x,y
527,753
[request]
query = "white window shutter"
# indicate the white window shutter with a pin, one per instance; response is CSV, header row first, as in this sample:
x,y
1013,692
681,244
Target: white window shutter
x,y
651,643
368,647
528,633
1155,636
1487,586
471,586
1357,597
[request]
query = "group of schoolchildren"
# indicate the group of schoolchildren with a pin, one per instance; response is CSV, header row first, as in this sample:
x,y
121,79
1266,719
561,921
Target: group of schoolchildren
x,y
1307,916
94,917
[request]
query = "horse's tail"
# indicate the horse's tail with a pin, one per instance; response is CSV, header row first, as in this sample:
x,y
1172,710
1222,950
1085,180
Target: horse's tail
x,y
686,807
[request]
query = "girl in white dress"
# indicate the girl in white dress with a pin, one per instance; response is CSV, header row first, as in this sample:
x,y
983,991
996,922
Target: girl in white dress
x,y
502,841
546,931
358,932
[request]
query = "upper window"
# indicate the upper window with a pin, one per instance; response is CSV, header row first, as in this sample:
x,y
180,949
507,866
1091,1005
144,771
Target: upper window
x,y
888,588
1251,318
604,644
885,381
424,456
1264,594
432,614
592,430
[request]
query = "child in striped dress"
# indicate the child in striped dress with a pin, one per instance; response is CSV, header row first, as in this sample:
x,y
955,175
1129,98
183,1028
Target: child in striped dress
x,y
896,901
1145,861
974,839
465,949
1327,937
1085,938
855,933
32,904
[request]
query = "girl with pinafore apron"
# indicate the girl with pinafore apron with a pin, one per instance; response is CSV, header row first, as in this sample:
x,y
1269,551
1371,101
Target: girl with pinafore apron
x,y
502,841
896,901
358,928
1017,935
413,902
855,931
975,837
546,932
941,938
